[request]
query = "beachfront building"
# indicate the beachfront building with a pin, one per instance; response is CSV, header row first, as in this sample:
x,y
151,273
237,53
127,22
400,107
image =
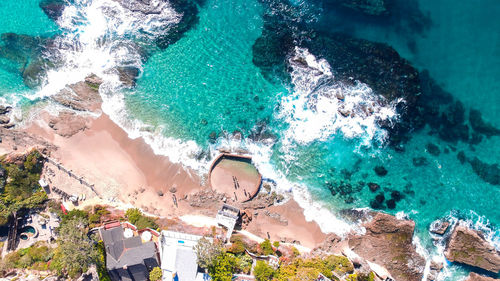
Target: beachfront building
x,y
179,261
228,216
130,253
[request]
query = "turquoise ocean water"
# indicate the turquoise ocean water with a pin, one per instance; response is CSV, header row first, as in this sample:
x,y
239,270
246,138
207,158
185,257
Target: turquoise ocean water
x,y
194,94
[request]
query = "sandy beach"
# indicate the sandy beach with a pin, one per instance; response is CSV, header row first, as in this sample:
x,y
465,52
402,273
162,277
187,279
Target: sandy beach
x,y
127,173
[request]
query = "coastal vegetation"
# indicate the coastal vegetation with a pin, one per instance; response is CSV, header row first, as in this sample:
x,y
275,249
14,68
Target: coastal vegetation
x,y
19,184
136,217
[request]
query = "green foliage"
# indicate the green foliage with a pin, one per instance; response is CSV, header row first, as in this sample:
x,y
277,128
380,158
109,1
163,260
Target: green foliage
x,y
266,247
102,272
276,244
244,263
155,274
339,264
295,252
207,252
136,217
33,257
308,269
75,251
22,189
222,268
238,247
361,277
263,271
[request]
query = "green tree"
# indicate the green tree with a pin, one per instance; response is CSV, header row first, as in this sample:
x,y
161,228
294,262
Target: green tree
x,y
136,217
155,274
207,252
75,251
266,247
263,271
222,267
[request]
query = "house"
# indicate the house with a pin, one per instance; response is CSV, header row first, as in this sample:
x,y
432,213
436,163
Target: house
x,y
179,261
128,256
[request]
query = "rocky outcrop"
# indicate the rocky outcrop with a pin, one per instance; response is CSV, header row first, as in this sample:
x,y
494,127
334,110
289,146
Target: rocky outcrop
x,y
439,227
476,277
67,123
81,96
470,247
53,8
490,173
479,125
388,242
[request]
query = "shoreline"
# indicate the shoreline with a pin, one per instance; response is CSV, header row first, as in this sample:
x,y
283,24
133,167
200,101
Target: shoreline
x,y
128,170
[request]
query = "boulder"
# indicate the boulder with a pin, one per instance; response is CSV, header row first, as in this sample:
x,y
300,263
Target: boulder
x,y
373,186
80,96
380,170
5,109
439,227
4,119
67,124
476,277
128,75
388,242
433,149
469,246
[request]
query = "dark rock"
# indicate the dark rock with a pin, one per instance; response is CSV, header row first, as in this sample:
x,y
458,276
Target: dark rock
x,y
189,11
128,75
373,186
212,137
490,173
160,193
439,227
53,8
420,161
5,109
380,171
470,247
380,198
433,149
391,204
349,200
479,125
461,157
396,195
374,204
204,122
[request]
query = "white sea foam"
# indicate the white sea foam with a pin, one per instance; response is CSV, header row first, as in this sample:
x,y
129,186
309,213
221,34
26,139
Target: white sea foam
x,y
96,38
320,106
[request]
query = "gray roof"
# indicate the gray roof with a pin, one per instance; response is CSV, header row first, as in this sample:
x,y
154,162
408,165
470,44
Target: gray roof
x,y
185,264
128,259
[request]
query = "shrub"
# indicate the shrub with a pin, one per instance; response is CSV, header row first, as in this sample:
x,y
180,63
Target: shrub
x,y
263,271
244,263
237,247
136,217
276,244
155,274
222,268
266,248
102,272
